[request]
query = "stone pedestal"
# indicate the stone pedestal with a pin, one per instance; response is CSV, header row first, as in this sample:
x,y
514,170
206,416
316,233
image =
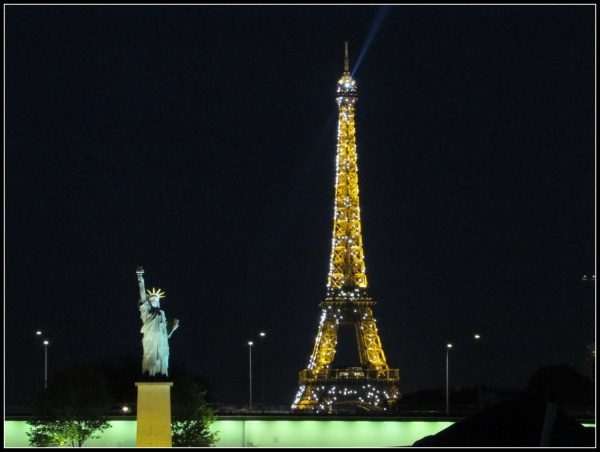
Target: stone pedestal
x,y
154,414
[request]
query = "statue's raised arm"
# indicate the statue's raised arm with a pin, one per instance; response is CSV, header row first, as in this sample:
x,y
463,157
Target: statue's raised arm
x,y
142,286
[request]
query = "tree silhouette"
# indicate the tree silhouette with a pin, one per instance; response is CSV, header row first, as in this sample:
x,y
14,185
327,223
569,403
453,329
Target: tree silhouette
x,y
191,416
71,410
562,384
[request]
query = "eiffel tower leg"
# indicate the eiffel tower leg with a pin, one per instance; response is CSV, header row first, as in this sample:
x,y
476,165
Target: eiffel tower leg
x,y
371,352
322,356
371,349
325,343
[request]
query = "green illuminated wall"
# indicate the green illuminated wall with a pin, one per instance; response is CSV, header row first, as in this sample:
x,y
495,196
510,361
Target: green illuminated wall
x,y
311,433
273,433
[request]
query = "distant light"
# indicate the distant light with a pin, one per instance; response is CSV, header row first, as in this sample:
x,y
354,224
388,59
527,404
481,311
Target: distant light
x,y
477,336
125,409
262,334
38,332
449,345
250,343
46,342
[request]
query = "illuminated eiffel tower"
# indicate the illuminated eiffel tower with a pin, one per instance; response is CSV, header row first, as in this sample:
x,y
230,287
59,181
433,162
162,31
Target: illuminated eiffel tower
x,y
371,385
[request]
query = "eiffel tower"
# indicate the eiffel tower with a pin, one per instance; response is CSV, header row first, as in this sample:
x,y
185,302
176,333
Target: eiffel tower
x,y
370,385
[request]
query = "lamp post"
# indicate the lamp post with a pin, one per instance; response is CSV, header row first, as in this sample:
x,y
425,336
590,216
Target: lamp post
x,y
250,344
262,335
46,342
39,333
448,347
477,338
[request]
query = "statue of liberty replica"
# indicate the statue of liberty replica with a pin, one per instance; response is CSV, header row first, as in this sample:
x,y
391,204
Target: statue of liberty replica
x,y
153,413
154,328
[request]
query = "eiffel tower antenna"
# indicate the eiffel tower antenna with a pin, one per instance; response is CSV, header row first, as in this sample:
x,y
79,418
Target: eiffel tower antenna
x,y
370,385
346,59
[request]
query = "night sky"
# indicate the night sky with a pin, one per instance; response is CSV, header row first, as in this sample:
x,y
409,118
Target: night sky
x,y
199,142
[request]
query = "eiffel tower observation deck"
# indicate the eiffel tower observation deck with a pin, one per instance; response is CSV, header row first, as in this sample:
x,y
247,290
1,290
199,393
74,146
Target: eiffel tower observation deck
x,y
369,384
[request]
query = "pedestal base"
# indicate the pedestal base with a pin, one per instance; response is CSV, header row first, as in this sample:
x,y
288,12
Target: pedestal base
x,y
154,414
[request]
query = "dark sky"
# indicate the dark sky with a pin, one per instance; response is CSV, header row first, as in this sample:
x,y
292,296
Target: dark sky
x,y
199,142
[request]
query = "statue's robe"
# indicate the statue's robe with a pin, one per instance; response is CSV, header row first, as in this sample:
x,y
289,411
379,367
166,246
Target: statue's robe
x,y
155,340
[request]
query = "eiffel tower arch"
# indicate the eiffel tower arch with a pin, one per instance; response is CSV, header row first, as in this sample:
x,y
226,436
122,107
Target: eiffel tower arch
x,y
369,384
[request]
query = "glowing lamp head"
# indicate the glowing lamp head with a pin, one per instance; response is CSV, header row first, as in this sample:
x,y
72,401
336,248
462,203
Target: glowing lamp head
x,y
449,345
250,343
46,342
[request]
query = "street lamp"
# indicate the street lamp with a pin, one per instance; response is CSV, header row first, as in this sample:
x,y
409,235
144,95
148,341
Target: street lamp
x,y
477,338
46,342
262,335
39,333
250,344
448,347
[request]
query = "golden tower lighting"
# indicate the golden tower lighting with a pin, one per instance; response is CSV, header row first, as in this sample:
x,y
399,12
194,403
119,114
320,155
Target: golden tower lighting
x,y
370,385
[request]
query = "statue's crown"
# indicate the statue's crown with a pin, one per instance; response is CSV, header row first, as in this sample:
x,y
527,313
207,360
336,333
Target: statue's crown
x,y
155,293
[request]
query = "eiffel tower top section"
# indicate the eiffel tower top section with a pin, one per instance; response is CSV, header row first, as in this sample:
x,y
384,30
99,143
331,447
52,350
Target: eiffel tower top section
x,y
347,275
347,91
